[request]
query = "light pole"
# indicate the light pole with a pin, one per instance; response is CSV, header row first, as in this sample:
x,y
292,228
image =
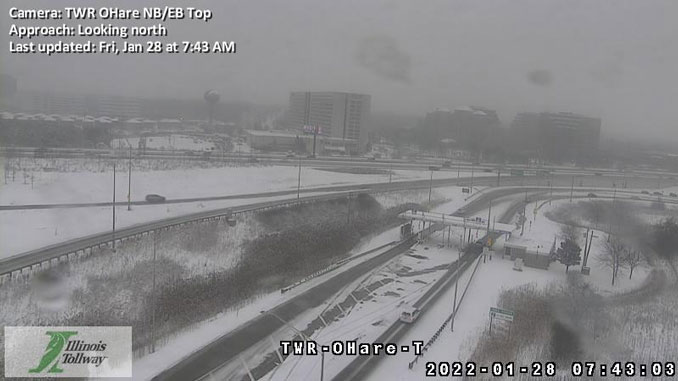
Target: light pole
x,y
524,218
472,170
572,189
155,239
390,173
430,188
610,225
348,211
129,181
551,189
113,243
299,180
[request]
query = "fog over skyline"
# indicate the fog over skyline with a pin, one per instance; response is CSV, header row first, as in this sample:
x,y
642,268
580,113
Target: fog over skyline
x,y
616,60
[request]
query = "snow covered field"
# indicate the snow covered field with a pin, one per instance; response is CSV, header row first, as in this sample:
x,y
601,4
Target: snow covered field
x,y
87,187
49,226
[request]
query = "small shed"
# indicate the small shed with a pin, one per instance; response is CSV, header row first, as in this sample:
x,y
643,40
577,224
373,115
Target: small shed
x,y
531,256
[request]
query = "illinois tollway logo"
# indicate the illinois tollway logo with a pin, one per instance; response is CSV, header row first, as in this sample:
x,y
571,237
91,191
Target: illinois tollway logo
x,y
68,352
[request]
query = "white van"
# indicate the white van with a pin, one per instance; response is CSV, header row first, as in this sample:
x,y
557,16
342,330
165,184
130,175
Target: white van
x,y
409,314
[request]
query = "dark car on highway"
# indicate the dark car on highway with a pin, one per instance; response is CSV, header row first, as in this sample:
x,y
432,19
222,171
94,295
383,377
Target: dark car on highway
x,y
592,195
155,198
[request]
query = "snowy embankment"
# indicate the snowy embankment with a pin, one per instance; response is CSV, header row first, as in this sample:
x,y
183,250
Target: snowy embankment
x,y
189,341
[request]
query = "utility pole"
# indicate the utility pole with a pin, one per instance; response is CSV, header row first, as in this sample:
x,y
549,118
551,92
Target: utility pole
x,y
129,181
299,180
322,365
572,188
390,173
498,176
113,243
430,188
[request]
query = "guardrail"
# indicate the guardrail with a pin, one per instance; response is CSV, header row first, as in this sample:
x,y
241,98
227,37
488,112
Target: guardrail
x,y
447,321
84,246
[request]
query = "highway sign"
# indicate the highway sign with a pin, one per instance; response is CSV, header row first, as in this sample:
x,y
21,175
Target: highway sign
x,y
498,313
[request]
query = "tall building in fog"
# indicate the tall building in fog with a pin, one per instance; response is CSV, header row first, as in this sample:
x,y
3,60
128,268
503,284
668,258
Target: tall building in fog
x,y
562,136
336,114
469,126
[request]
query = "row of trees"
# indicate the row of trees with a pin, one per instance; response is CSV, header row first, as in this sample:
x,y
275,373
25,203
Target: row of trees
x,y
619,255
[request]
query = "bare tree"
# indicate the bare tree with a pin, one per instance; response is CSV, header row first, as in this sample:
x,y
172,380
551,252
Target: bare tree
x,y
612,256
632,259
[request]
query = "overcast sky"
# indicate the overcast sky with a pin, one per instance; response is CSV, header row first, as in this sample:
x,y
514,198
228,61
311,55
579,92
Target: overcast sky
x,y
613,59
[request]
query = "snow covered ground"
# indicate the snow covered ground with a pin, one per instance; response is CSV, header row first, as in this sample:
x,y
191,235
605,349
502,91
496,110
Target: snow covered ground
x,y
491,279
540,233
49,226
473,316
403,281
87,187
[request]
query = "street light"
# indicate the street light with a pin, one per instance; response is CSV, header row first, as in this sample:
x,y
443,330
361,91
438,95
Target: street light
x,y
430,188
113,236
299,179
129,181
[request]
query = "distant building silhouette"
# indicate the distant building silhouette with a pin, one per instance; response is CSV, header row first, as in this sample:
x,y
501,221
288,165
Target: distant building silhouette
x,y
469,126
557,137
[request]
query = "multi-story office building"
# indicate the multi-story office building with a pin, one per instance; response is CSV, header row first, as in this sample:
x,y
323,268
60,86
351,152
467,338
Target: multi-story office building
x,y
469,126
335,114
562,136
